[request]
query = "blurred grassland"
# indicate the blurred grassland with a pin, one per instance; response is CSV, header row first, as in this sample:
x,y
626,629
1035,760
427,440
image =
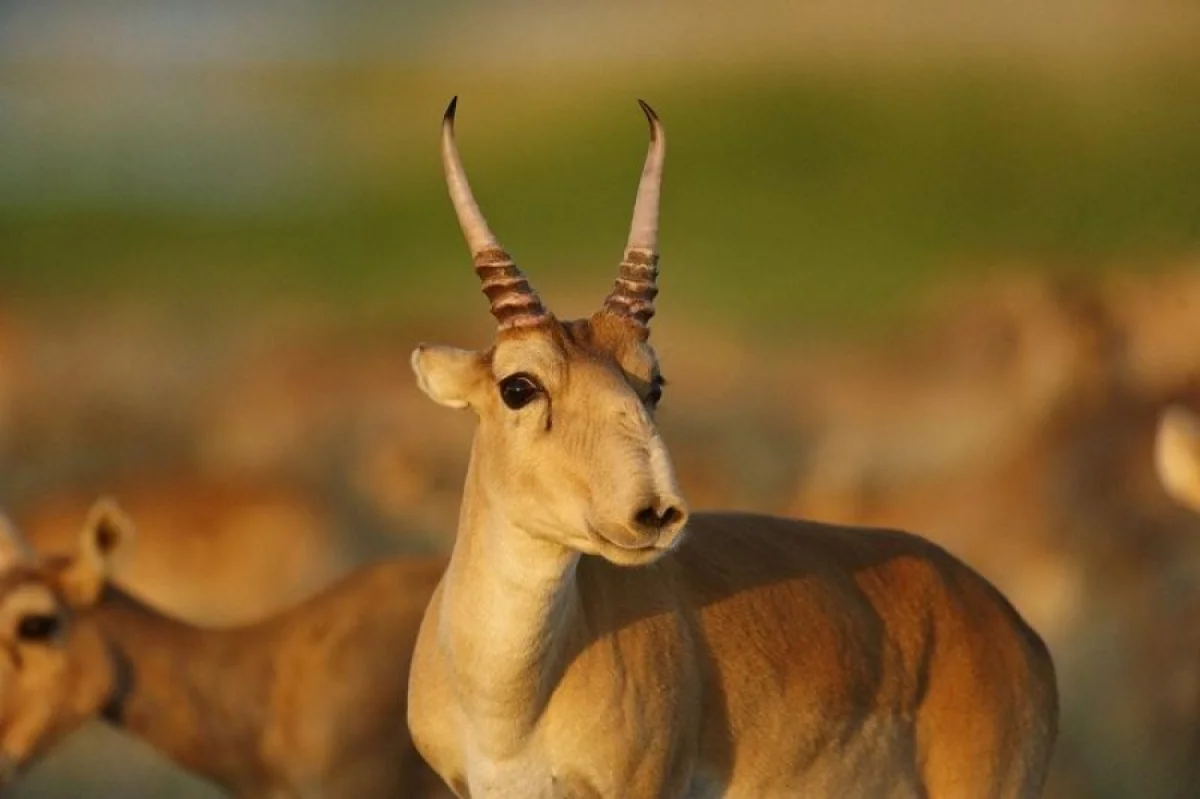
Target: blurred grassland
x,y
794,201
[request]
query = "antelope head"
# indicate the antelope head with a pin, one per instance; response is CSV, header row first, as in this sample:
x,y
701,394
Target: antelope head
x,y
567,447
1177,455
33,663
54,673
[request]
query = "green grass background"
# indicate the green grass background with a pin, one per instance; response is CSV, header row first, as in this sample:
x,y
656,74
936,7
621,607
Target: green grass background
x,y
794,202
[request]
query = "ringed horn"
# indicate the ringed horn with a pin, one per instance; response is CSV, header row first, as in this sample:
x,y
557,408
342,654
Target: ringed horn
x,y
514,302
633,294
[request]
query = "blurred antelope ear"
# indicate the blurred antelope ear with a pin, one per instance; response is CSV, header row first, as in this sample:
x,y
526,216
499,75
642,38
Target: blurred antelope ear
x,y
448,375
107,533
13,547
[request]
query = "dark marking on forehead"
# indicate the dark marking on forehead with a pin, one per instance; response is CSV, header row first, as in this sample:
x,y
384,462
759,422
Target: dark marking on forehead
x,y
577,334
601,338
602,335
614,340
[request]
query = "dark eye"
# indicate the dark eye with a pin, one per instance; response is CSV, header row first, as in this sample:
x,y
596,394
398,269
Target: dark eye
x,y
518,390
37,627
654,395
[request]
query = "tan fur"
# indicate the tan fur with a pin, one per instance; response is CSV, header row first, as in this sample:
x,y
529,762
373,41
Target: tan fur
x,y
212,552
1177,455
746,656
308,703
37,675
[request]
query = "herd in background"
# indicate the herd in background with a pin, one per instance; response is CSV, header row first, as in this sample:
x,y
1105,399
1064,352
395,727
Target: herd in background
x,y
310,697
308,702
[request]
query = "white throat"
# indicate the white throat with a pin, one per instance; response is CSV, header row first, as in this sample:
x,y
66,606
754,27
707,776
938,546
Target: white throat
x,y
507,608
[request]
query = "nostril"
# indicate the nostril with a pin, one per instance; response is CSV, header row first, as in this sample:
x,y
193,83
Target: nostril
x,y
651,517
672,515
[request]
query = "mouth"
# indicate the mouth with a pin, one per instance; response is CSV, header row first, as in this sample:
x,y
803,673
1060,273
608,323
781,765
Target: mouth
x,y
638,554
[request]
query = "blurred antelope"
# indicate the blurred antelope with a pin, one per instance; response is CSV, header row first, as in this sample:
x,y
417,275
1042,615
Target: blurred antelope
x,y
308,703
590,637
213,552
1177,461
1177,455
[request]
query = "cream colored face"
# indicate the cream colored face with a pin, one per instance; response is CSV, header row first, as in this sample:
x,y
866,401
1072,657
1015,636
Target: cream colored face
x,y
567,443
34,667
53,672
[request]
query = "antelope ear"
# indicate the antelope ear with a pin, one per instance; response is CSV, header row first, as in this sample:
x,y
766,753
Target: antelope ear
x,y
13,547
106,535
1177,455
448,375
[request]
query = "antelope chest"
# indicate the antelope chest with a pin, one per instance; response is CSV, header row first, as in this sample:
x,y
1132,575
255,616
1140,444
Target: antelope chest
x,y
607,746
520,776
530,776
543,776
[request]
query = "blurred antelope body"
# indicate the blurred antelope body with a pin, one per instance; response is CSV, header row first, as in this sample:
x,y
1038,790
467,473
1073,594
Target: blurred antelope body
x,y
590,638
308,703
212,552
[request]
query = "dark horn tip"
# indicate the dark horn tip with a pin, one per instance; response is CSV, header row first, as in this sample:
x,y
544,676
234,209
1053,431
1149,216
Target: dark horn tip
x,y
651,117
450,109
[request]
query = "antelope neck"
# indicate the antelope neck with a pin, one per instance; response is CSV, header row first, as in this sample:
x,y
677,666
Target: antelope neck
x,y
507,608
198,696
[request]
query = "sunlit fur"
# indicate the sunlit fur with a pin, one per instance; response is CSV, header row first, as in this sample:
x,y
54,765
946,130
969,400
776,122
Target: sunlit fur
x,y
309,703
590,639
748,656
576,465
1177,455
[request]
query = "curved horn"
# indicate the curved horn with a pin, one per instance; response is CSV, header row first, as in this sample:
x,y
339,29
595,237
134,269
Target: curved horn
x,y
633,294
514,302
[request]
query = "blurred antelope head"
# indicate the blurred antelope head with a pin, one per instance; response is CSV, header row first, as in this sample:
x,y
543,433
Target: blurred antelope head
x,y
1177,455
567,443
53,674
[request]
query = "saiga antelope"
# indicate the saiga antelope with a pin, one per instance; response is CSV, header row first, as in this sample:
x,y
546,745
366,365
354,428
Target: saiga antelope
x,y
590,637
1177,455
307,704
